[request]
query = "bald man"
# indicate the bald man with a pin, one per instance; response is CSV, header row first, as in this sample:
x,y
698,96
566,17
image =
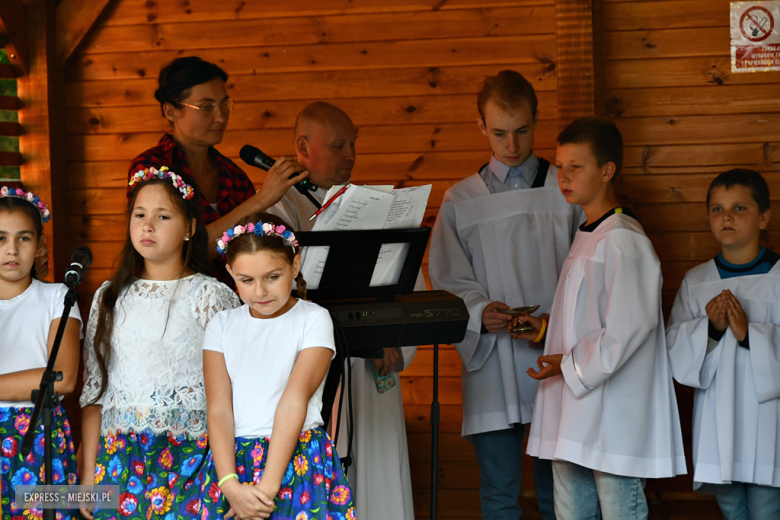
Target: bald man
x,y
325,146
379,475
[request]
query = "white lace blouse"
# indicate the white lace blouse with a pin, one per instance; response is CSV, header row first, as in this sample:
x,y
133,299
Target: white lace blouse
x,y
155,374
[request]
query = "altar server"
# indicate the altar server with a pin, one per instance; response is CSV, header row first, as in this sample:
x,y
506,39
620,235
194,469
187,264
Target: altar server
x,y
605,413
723,341
500,240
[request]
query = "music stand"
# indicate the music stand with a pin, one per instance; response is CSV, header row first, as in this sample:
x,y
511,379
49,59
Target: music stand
x,y
352,257
347,275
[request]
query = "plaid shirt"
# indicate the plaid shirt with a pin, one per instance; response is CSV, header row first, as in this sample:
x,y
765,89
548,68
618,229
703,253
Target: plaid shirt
x,y
234,185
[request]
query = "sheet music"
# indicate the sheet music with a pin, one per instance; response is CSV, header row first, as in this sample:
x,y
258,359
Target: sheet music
x,y
407,211
359,207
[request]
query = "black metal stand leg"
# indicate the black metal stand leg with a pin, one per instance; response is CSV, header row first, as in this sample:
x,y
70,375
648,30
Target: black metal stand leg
x,y
47,418
46,401
435,420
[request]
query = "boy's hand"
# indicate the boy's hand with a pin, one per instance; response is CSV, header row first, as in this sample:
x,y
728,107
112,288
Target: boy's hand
x,y
737,317
495,321
549,366
533,321
716,311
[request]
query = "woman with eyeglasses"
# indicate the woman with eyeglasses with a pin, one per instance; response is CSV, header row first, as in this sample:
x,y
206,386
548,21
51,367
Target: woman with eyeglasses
x,y
193,97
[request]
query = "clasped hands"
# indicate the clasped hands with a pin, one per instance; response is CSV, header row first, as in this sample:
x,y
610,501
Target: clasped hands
x,y
248,502
725,311
493,321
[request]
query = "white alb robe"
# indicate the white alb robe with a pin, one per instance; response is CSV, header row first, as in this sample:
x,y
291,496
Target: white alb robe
x,y
380,476
506,247
619,415
736,406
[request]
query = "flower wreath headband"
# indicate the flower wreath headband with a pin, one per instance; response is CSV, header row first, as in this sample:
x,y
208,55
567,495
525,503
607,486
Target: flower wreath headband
x,y
148,174
30,197
261,229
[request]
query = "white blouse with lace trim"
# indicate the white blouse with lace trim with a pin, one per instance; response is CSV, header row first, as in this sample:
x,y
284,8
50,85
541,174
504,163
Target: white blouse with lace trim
x,y
155,372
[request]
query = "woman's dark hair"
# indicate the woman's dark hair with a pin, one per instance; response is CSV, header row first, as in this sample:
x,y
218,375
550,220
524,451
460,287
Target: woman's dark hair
x,y
179,76
508,89
194,255
251,243
29,209
750,179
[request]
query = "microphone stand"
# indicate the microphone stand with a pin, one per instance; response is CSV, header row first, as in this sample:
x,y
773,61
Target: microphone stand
x,y
46,400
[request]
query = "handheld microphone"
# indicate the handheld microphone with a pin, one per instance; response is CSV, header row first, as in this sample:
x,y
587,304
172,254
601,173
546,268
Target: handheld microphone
x,y
254,157
80,259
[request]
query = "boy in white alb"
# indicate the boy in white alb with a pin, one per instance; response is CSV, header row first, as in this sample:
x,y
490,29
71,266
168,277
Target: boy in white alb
x,y
605,413
723,341
499,241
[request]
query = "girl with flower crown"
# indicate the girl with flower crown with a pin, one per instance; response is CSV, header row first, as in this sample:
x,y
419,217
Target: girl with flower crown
x,y
144,402
30,313
265,365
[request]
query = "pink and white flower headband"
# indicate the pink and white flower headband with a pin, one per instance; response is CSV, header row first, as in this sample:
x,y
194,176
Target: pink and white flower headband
x,y
148,174
260,229
30,197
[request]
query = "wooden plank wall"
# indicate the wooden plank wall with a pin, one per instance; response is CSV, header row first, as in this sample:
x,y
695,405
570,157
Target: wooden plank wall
x,y
685,117
407,71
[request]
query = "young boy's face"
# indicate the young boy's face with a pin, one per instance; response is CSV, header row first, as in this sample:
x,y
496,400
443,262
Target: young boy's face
x,y
580,178
734,217
511,134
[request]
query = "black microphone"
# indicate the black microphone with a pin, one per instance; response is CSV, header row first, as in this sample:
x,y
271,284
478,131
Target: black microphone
x,y
80,259
254,157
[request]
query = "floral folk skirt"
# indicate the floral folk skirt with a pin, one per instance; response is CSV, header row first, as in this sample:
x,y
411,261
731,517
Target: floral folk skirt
x,y
16,470
314,486
159,477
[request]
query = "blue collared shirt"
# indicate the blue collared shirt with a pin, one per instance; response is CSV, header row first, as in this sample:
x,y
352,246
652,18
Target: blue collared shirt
x,y
499,177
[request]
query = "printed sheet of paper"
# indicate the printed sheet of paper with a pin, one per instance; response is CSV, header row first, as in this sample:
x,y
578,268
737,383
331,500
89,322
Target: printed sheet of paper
x,y
358,208
407,211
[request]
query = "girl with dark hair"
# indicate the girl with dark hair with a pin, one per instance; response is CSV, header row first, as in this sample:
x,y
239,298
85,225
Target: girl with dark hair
x,y
30,313
265,365
193,97
144,403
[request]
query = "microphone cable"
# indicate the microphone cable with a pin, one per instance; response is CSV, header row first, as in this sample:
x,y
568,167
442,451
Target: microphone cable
x,y
346,461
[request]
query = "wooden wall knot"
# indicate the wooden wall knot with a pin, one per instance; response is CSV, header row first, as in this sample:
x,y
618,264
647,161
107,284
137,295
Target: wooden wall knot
x,y
438,5
614,107
415,164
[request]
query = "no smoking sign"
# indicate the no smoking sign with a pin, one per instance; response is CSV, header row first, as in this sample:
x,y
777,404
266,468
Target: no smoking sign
x,y
757,24
755,42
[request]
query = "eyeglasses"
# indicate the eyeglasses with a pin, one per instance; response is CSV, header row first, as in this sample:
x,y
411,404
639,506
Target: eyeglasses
x,y
209,110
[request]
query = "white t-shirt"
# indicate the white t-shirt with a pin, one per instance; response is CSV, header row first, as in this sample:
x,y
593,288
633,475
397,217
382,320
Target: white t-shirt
x,y
25,323
260,354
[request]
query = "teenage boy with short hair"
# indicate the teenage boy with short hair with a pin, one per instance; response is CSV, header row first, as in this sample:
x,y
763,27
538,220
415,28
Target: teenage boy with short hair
x,y
724,341
499,242
605,412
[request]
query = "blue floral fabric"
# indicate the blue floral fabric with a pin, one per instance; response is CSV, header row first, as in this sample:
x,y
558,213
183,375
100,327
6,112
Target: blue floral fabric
x,y
160,477
16,470
314,486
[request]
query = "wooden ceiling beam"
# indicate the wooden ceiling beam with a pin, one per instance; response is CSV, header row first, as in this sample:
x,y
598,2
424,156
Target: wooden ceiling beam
x,y
76,20
13,34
